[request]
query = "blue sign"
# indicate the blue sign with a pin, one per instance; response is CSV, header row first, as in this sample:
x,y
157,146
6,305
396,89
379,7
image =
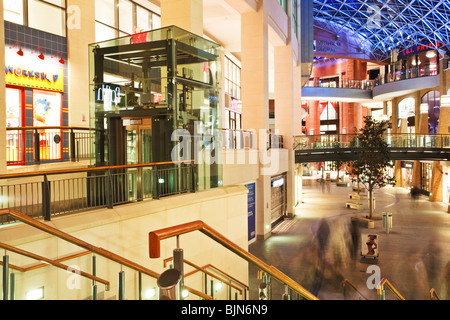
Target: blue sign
x,y
251,205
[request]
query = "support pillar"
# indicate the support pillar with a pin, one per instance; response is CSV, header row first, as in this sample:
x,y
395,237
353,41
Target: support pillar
x,y
186,14
2,97
255,97
80,33
287,112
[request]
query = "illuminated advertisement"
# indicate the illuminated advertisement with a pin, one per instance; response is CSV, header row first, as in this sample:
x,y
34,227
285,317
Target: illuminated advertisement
x,y
46,108
31,72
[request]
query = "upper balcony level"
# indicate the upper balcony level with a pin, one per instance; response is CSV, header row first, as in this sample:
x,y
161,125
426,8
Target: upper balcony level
x,y
390,85
346,147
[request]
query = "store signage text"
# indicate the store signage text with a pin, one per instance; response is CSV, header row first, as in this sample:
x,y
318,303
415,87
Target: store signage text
x,y
28,77
19,72
418,48
326,45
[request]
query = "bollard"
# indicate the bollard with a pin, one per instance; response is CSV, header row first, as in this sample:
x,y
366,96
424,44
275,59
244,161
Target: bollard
x,y
169,285
387,221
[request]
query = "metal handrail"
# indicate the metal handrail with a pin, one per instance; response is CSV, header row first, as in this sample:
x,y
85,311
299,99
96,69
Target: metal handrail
x,y
155,238
94,249
346,281
381,292
203,269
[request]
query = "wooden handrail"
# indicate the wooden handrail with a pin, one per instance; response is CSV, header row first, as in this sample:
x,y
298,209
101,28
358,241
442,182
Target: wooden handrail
x,y
433,293
97,250
353,286
42,265
155,238
380,288
49,127
91,169
51,262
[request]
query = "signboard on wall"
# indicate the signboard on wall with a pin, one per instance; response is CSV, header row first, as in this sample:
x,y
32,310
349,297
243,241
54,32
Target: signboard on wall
x,y
251,205
24,71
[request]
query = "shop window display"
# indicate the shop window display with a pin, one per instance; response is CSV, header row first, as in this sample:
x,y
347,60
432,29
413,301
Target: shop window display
x,y
47,107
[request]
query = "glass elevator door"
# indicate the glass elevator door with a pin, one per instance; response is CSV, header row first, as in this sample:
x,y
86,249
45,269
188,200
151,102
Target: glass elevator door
x,y
138,151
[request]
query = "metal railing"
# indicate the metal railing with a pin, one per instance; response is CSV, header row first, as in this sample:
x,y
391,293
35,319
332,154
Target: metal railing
x,y
342,84
240,288
238,139
45,194
32,145
400,140
114,261
156,236
411,73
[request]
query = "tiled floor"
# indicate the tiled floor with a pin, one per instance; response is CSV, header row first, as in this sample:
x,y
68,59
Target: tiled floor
x,y
320,247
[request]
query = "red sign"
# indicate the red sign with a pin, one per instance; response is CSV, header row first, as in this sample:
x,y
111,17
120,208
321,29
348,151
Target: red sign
x,y
139,36
418,48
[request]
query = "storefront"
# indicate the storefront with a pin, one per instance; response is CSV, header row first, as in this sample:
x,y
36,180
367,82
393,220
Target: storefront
x,y
278,198
35,83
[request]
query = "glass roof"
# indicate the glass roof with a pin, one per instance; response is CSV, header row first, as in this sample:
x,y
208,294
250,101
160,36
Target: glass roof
x,y
388,25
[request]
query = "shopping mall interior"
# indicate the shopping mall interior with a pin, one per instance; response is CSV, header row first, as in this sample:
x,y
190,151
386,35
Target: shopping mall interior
x,y
199,150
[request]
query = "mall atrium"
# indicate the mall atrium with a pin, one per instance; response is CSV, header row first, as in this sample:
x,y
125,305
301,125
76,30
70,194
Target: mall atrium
x,y
153,148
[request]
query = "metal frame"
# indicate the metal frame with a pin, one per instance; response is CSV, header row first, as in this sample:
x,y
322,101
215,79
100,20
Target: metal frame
x,y
388,25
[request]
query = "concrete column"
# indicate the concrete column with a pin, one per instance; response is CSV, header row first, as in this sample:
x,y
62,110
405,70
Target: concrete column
x,y
186,14
436,181
80,33
255,102
313,117
287,111
2,96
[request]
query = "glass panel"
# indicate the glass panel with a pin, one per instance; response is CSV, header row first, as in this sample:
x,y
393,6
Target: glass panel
x,y
103,32
146,145
105,12
38,9
126,16
131,147
156,21
13,11
143,19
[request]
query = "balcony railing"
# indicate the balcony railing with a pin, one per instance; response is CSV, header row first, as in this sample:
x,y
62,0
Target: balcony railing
x,y
47,194
401,140
32,145
343,84
411,73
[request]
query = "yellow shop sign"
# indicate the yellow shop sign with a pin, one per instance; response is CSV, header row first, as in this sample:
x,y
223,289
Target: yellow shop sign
x,y
35,78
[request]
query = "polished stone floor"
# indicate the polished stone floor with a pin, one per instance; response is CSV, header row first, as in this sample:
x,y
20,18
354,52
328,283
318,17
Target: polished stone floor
x,y
320,247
